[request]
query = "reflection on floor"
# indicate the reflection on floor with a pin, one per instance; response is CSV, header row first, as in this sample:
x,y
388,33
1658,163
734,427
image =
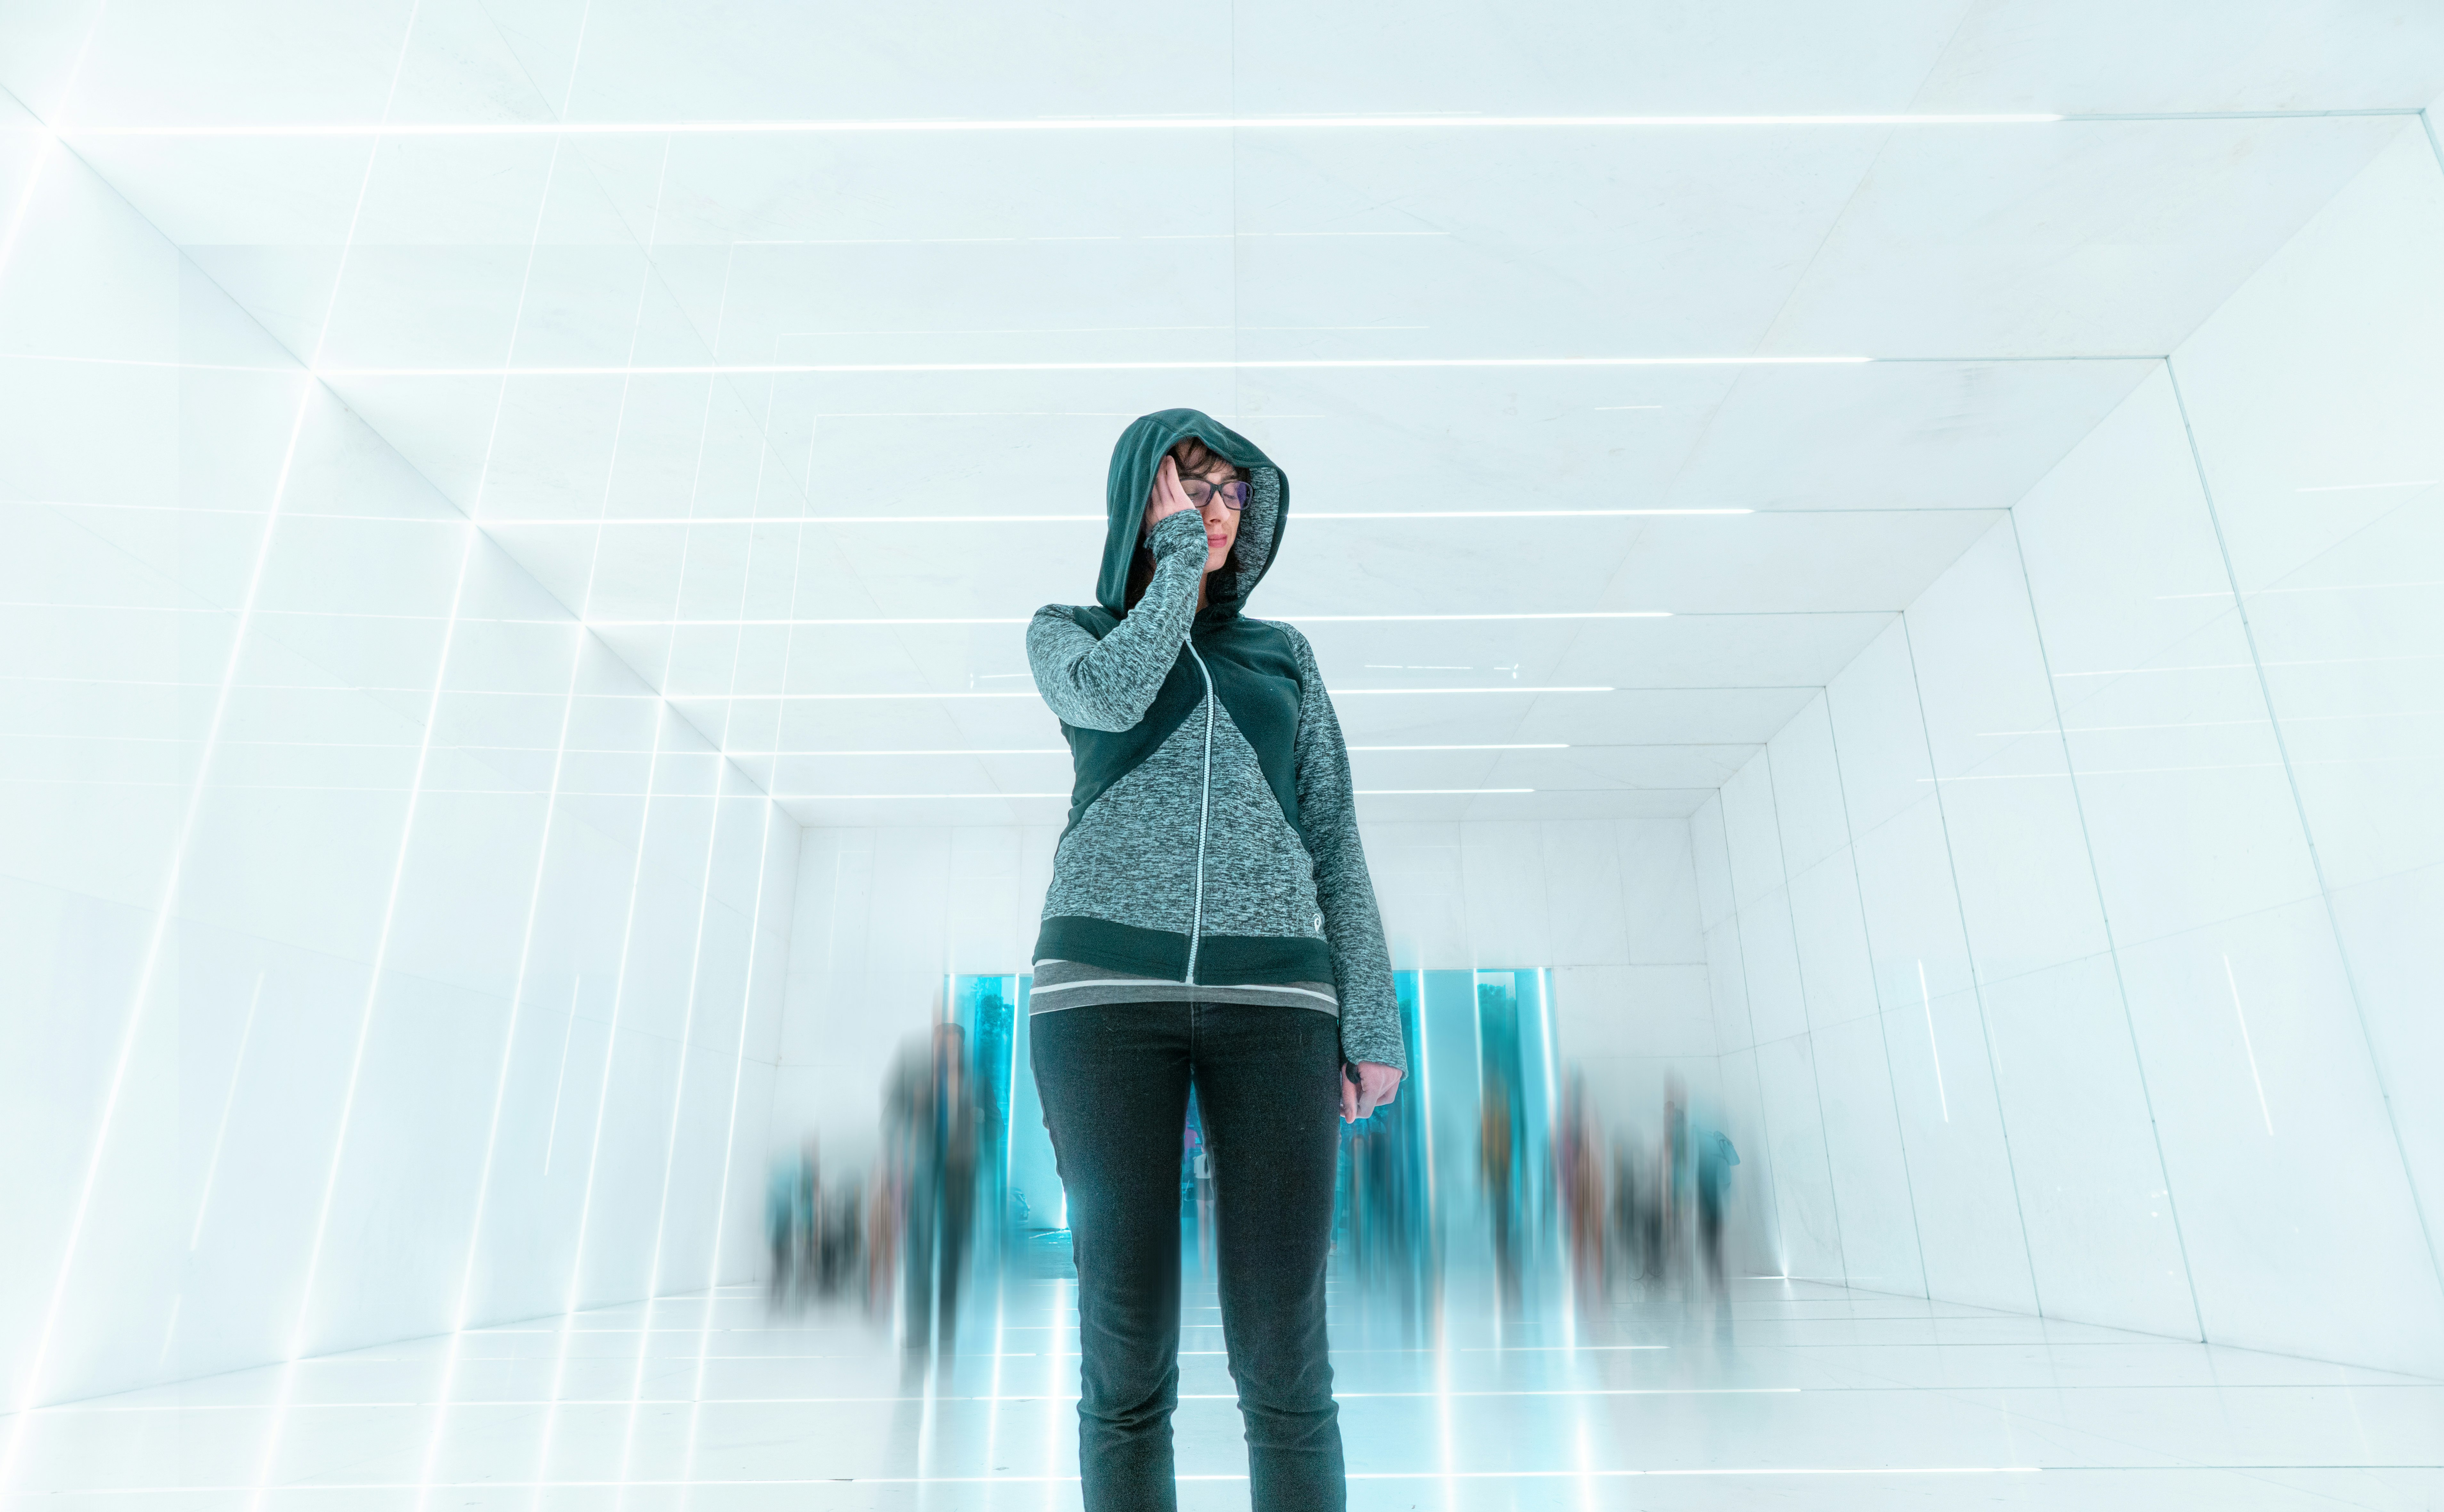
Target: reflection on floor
x,y
1796,1394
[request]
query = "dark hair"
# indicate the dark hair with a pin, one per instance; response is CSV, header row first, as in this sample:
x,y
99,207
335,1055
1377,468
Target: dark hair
x,y
1192,457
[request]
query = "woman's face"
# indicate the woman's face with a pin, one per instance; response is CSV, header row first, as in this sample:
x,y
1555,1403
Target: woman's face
x,y
1221,521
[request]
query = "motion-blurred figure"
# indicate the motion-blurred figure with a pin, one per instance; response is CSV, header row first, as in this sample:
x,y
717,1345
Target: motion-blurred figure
x,y
1497,1160
1716,1158
1636,1223
1673,1179
1577,1153
781,1226
932,1114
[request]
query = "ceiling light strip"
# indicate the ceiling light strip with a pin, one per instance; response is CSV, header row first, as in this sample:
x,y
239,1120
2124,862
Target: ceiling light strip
x,y
1344,693
686,522
1160,365
1363,792
1086,124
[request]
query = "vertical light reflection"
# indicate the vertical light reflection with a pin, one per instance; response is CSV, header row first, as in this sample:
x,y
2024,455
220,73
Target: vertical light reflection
x,y
1927,1002
2248,1048
1053,1382
1446,1432
1586,1455
30,1390
460,1305
577,986
704,901
662,716
308,386
584,638
229,1100
747,993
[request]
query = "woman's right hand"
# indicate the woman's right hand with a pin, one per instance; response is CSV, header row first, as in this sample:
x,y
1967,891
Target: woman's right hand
x,y
1169,498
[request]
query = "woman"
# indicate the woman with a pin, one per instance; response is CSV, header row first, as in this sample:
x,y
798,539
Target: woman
x,y
1210,922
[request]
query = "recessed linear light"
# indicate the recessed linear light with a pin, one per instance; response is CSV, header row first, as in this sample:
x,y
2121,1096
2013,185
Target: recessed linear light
x,y
1055,750
1311,619
680,520
1559,613
1342,693
1160,365
920,798
1356,692
1424,792
1072,123
2356,487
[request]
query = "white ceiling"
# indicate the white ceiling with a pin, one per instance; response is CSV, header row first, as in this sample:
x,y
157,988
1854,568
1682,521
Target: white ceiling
x,y
2008,280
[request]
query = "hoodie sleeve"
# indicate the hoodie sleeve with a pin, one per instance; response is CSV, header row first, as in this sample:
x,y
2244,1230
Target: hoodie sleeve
x,y
1362,963
1108,684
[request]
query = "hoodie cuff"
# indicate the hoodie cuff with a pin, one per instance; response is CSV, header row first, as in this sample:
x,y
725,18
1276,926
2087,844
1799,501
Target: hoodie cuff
x,y
1171,538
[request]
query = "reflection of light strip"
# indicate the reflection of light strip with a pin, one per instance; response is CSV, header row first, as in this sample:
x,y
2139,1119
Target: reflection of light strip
x,y
2321,588
2356,487
1068,1480
769,622
1158,366
1355,692
1926,1000
680,522
1420,792
1087,123
522,692
228,1101
2247,1047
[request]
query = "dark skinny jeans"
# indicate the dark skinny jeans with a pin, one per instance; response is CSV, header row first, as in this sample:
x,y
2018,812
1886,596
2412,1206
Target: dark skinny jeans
x,y
1114,1080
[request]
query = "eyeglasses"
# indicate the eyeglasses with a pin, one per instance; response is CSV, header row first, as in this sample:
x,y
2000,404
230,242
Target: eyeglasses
x,y
1234,494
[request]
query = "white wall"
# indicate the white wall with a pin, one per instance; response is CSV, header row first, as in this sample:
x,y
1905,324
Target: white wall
x,y
2084,930
883,915
355,988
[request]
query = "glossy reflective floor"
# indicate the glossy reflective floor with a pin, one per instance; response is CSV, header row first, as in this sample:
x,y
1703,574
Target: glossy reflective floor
x,y
1795,1394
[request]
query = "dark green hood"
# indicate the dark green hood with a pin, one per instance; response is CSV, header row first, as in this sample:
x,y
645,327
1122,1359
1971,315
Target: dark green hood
x,y
1139,452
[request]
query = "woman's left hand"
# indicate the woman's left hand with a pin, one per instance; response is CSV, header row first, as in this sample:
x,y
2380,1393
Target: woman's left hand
x,y
1375,1086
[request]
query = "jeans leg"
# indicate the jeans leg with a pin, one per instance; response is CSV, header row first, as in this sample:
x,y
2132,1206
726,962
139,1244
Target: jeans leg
x,y
1268,1081
1113,1081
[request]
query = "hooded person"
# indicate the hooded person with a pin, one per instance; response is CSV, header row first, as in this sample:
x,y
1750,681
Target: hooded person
x,y
1209,921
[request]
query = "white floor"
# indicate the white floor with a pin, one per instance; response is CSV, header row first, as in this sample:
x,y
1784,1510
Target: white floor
x,y
1803,1395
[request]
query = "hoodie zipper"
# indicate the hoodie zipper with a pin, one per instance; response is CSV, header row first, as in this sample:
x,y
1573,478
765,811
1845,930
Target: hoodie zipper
x,y
1203,807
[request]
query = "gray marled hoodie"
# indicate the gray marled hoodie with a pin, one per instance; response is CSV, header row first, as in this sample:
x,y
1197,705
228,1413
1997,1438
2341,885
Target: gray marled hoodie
x,y
1212,840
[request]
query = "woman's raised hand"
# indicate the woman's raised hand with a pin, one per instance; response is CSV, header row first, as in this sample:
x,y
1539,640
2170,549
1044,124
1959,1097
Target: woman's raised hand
x,y
1169,497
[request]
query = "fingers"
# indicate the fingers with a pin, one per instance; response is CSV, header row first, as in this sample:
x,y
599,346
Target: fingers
x,y
1349,1113
1169,497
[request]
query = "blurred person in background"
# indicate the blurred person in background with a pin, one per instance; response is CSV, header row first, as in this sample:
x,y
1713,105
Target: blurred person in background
x,y
781,1226
932,1109
1674,1180
1578,1155
1497,1162
1634,1219
1210,922
1716,1158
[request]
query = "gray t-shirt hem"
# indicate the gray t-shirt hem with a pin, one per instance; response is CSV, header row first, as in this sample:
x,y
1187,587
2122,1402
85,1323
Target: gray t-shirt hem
x,y
1074,984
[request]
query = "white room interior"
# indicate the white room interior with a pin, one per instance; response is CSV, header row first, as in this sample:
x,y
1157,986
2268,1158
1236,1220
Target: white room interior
x,y
514,630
